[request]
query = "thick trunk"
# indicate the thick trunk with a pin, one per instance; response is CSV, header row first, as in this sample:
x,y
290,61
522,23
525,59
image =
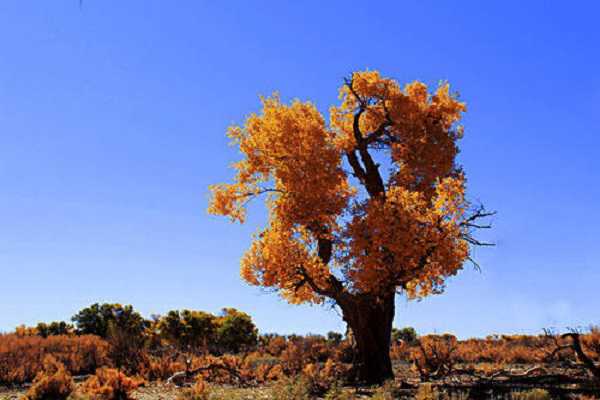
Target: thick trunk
x,y
371,324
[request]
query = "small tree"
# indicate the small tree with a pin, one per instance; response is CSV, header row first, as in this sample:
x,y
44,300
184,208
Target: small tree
x,y
122,326
189,329
54,328
334,338
340,228
236,331
407,335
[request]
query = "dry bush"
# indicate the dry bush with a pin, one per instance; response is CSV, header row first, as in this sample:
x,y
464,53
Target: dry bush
x,y
434,356
517,349
534,394
301,351
22,357
199,391
273,344
321,377
591,343
110,384
160,368
292,388
426,391
400,351
385,392
52,383
337,392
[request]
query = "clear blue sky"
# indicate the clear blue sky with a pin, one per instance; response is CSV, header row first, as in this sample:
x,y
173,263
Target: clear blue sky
x,y
112,122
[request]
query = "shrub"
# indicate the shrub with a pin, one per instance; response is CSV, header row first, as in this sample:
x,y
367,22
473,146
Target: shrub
x,y
334,338
160,368
97,319
426,391
591,343
292,389
385,392
54,328
337,392
52,383
236,331
435,355
273,344
199,391
126,346
534,394
110,384
21,357
407,335
188,329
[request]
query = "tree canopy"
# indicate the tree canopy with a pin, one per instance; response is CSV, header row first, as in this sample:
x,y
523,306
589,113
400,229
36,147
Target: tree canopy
x,y
338,224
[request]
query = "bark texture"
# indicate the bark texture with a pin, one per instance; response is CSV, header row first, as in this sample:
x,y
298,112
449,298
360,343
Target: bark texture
x,y
370,320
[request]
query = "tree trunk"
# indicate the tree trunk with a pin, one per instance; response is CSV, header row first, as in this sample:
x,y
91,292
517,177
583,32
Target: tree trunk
x,y
371,324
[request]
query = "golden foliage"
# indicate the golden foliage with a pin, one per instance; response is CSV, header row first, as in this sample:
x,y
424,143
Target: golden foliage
x,y
199,391
52,383
408,233
110,384
435,355
21,357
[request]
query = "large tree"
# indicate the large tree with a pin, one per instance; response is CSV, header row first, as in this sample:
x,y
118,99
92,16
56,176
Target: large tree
x,y
361,208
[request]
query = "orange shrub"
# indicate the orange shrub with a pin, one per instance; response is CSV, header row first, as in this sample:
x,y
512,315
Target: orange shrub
x,y
22,357
321,377
400,351
591,343
274,344
52,383
434,356
160,368
199,391
110,384
517,349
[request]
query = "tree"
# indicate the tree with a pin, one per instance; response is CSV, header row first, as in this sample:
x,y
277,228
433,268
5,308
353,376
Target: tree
x,y
54,328
236,331
122,326
407,334
341,227
335,338
98,318
189,329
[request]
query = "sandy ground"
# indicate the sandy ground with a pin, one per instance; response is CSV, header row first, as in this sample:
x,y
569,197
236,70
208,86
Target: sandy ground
x,y
158,391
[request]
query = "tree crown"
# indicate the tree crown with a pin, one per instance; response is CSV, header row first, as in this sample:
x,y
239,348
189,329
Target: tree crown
x,y
338,224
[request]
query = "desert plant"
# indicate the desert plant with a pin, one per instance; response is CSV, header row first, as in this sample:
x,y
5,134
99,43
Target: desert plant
x,y
199,391
534,394
292,388
21,357
434,357
54,328
384,392
52,383
236,331
110,384
426,391
337,392
407,335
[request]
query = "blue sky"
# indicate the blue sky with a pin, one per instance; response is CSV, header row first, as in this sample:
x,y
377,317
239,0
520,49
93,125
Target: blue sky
x,y
112,122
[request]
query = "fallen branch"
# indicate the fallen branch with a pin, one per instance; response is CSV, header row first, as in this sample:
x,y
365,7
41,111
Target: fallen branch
x,y
189,373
